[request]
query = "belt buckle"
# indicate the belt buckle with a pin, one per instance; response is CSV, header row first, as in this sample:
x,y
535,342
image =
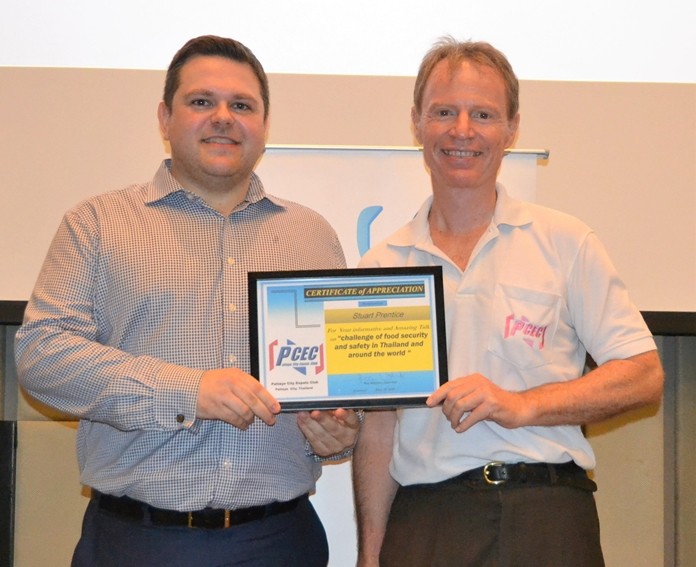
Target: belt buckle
x,y
226,522
487,469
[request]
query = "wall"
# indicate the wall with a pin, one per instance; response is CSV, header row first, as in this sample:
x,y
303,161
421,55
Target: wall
x,y
619,161
610,144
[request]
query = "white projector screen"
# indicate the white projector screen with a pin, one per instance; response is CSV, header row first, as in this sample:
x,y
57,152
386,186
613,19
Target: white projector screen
x,y
592,40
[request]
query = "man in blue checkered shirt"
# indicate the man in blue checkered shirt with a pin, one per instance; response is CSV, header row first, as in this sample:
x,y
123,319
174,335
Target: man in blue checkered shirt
x,y
138,325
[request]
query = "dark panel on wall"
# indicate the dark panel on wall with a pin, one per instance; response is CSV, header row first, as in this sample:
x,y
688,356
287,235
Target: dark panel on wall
x,y
671,323
11,312
8,443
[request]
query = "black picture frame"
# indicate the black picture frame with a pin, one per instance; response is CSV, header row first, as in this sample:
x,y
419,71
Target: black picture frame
x,y
381,388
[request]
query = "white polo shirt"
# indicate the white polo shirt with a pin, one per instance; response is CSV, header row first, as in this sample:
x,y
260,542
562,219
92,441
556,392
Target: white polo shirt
x,y
539,292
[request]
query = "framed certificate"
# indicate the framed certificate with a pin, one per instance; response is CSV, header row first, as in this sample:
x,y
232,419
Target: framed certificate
x,y
359,338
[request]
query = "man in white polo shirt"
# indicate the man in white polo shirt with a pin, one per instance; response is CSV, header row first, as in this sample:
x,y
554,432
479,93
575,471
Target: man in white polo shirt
x,y
493,472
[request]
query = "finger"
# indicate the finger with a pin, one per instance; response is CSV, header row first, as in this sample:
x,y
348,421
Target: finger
x,y
333,419
235,397
454,408
314,423
438,395
232,410
262,408
238,420
469,420
341,415
349,418
329,432
250,400
265,398
322,444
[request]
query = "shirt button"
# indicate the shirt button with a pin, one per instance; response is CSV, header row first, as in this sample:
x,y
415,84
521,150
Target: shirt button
x,y
180,418
230,261
232,358
232,307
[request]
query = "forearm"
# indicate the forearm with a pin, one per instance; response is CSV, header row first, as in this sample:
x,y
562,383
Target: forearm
x,y
374,487
610,389
89,380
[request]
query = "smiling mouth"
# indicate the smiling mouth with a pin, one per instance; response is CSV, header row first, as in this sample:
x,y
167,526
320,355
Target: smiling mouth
x,y
461,153
219,140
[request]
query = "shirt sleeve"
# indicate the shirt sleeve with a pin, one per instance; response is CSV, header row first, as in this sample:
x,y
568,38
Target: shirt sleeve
x,y
61,361
606,320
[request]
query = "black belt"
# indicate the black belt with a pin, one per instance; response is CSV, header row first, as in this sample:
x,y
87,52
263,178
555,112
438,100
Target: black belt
x,y
210,518
499,475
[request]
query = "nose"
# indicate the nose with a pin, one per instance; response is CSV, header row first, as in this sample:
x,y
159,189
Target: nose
x,y
222,114
462,127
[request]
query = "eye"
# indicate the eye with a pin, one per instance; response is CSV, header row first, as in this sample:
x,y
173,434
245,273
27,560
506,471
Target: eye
x,y
443,112
241,106
200,102
482,115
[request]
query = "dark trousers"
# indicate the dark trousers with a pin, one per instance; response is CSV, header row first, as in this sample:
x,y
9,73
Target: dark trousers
x,y
460,525
291,539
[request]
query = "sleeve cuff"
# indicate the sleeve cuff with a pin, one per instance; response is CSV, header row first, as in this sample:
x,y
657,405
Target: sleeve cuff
x,y
175,397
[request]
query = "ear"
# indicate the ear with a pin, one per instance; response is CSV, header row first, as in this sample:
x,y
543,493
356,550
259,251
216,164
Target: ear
x,y
513,126
415,125
163,115
266,127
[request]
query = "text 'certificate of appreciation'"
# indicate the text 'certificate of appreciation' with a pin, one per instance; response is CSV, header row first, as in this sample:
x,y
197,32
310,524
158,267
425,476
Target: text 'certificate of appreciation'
x,y
348,338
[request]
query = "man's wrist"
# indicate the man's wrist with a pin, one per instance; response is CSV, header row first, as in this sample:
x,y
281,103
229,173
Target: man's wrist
x,y
346,453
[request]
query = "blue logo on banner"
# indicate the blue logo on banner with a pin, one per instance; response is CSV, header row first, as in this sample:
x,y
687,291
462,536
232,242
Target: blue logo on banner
x,y
365,220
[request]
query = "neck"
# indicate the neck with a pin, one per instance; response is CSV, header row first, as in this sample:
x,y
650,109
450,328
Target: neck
x,y
462,211
224,200
222,193
458,220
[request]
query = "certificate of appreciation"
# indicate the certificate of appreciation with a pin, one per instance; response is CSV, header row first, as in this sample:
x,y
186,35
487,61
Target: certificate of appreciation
x,y
358,338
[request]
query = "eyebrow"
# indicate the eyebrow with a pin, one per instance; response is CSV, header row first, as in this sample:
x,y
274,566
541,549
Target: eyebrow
x,y
211,93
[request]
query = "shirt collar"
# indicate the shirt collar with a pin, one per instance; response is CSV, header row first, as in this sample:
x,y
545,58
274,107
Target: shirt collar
x,y
164,184
508,211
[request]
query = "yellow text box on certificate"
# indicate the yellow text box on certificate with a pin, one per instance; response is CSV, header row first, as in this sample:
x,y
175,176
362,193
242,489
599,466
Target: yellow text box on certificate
x,y
378,339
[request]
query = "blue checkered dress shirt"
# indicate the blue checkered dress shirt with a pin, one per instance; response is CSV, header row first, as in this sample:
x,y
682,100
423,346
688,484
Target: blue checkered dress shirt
x,y
141,291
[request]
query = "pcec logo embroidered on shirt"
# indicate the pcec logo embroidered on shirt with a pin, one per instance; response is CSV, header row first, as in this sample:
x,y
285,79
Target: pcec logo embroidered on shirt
x,y
299,357
521,328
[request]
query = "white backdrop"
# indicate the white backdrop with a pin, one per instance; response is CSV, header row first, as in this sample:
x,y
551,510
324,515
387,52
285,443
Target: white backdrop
x,y
592,40
339,183
367,193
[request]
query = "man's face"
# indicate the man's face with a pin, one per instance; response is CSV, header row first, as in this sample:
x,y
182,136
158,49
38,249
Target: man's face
x,y
463,126
216,126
